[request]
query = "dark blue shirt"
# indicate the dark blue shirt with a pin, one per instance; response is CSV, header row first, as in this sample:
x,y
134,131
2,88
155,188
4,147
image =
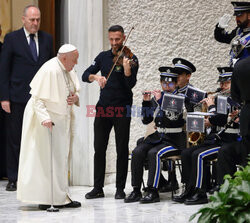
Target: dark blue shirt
x,y
118,89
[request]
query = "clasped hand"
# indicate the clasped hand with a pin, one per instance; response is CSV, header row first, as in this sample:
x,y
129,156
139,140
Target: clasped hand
x,y
72,99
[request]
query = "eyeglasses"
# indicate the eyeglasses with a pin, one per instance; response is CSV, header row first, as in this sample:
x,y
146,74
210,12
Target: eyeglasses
x,y
169,84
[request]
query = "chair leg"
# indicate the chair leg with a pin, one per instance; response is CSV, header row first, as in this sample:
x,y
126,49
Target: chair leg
x,y
143,185
172,178
179,166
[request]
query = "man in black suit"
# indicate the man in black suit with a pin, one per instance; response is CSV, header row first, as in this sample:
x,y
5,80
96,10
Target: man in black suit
x,y
24,51
2,134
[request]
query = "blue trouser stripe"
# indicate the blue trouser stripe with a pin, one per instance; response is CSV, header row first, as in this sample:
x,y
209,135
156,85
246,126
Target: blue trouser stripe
x,y
200,164
158,163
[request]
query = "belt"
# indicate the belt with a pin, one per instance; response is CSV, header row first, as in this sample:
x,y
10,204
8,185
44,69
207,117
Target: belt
x,y
169,130
232,131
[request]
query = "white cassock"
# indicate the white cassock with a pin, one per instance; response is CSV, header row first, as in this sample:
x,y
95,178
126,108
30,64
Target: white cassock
x,y
49,89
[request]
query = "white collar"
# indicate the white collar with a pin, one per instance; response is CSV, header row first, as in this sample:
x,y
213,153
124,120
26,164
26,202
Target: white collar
x,y
27,34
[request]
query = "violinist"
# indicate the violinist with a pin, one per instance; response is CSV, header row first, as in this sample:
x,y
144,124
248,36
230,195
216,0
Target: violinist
x,y
116,82
194,159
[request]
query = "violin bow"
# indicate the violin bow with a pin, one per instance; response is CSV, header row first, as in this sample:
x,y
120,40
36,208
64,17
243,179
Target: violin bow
x,y
119,54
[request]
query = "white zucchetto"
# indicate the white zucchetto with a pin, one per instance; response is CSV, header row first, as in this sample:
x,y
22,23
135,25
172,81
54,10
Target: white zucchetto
x,y
66,48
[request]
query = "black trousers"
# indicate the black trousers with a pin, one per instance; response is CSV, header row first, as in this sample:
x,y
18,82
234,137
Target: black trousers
x,y
14,133
152,154
229,156
236,153
3,138
102,128
195,171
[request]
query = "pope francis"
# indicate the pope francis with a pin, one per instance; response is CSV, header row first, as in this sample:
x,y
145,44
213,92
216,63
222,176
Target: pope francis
x,y
47,125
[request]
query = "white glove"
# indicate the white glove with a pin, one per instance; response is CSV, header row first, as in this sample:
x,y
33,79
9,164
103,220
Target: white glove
x,y
224,20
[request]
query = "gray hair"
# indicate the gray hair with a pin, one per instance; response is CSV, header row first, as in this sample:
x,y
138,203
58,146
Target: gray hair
x,y
29,6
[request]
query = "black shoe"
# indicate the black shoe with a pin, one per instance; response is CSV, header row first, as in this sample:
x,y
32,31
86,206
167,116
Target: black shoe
x,y
44,207
11,186
169,187
133,197
182,197
73,204
95,193
120,194
200,197
151,196
216,188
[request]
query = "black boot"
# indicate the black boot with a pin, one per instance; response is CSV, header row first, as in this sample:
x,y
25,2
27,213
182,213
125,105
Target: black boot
x,y
188,192
134,196
171,185
200,197
95,193
151,196
120,194
11,186
216,188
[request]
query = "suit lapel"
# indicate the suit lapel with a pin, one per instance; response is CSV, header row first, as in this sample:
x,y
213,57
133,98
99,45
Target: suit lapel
x,y
40,44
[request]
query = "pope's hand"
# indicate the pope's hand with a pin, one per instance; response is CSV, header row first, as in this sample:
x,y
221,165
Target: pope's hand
x,y
72,99
101,80
224,20
48,124
6,106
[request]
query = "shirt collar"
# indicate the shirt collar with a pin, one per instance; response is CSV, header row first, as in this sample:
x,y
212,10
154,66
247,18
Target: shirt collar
x,y
27,34
183,88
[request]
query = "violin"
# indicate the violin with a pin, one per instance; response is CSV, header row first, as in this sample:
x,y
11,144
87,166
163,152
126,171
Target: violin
x,y
125,53
119,53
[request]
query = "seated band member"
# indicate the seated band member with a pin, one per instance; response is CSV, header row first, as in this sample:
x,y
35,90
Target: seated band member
x,y
54,91
184,68
168,139
238,153
194,159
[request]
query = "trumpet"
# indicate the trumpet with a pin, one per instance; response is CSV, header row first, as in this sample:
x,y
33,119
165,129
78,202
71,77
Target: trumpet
x,y
196,138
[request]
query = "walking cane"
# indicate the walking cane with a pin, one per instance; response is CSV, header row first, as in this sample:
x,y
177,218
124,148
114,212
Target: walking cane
x,y
51,208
